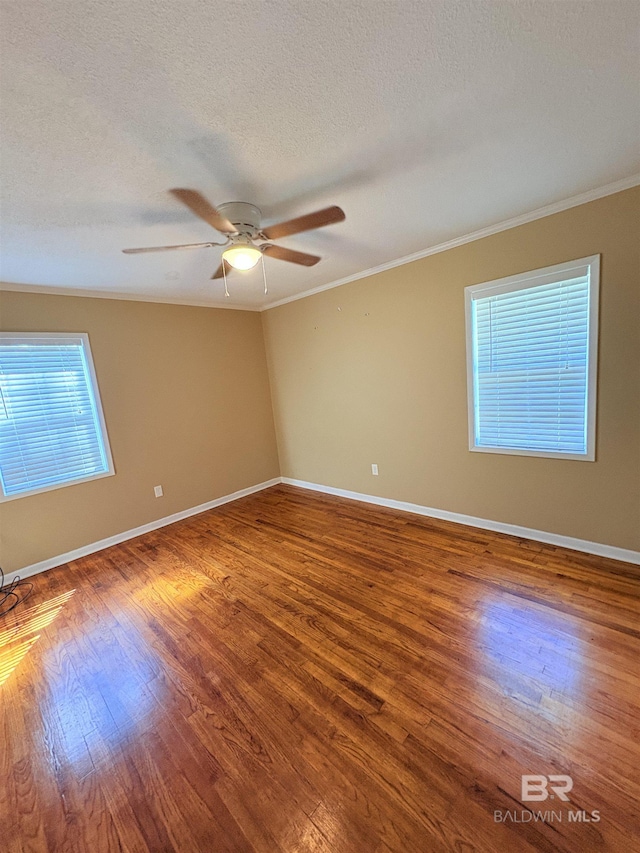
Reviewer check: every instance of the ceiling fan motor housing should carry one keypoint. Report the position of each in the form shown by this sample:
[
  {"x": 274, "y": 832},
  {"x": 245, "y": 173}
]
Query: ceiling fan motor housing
[{"x": 245, "y": 217}]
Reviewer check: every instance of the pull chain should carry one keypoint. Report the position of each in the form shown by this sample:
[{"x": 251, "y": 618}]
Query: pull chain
[
  {"x": 224, "y": 273},
  {"x": 264, "y": 275}
]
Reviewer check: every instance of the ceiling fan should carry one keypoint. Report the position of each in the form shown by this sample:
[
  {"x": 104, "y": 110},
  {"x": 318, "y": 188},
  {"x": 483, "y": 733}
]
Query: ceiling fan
[{"x": 240, "y": 223}]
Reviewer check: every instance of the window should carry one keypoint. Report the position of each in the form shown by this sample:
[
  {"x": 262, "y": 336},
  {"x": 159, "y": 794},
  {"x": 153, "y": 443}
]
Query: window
[
  {"x": 52, "y": 432},
  {"x": 531, "y": 362}
]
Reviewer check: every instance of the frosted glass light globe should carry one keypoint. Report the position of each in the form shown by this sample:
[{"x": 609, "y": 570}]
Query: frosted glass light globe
[{"x": 242, "y": 257}]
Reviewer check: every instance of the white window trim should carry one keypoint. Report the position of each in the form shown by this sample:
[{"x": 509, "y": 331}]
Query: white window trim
[
  {"x": 28, "y": 337},
  {"x": 583, "y": 266}
]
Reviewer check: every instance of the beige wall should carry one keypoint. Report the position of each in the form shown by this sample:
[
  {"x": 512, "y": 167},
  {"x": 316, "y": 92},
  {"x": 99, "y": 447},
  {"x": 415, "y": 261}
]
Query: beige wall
[
  {"x": 375, "y": 371},
  {"x": 186, "y": 396},
  {"x": 186, "y": 400}
]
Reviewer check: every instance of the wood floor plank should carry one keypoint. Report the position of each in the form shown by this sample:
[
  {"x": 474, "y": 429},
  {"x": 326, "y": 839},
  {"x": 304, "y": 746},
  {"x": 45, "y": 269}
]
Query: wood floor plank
[{"x": 297, "y": 672}]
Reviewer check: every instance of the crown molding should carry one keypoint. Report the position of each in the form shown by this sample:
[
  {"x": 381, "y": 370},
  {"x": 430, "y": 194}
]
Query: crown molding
[
  {"x": 523, "y": 219},
  {"x": 539, "y": 213},
  {"x": 12, "y": 287}
]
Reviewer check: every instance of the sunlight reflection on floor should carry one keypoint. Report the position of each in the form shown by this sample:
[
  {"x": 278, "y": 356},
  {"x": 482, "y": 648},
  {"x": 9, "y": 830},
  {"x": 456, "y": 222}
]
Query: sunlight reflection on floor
[
  {"x": 93, "y": 696},
  {"x": 19, "y": 624},
  {"x": 535, "y": 657}
]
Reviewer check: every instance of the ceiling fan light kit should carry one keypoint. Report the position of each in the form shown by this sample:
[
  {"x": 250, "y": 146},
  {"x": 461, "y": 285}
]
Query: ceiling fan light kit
[
  {"x": 242, "y": 256},
  {"x": 240, "y": 221}
]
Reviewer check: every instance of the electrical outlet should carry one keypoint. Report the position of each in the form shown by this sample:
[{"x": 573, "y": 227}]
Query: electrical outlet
[
  {"x": 374, "y": 469},
  {"x": 157, "y": 491}
]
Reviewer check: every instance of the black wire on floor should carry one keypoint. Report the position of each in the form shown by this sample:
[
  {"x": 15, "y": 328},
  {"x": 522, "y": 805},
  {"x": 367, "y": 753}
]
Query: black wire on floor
[{"x": 13, "y": 593}]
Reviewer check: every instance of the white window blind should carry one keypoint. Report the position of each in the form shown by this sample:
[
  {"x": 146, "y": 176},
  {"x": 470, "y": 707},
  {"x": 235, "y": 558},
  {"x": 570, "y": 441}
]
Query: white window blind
[
  {"x": 532, "y": 362},
  {"x": 51, "y": 426}
]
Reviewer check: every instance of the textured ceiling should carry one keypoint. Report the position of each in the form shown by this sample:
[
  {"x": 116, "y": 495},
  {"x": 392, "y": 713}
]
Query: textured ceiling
[{"x": 423, "y": 120}]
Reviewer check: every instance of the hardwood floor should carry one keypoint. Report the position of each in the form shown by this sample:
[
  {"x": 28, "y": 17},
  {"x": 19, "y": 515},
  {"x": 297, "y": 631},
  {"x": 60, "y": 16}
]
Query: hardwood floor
[{"x": 296, "y": 672}]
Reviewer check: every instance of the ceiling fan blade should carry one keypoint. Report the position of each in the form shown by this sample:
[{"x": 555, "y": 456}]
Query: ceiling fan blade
[
  {"x": 167, "y": 248},
  {"x": 283, "y": 254},
  {"x": 198, "y": 204},
  {"x": 219, "y": 273},
  {"x": 327, "y": 216}
]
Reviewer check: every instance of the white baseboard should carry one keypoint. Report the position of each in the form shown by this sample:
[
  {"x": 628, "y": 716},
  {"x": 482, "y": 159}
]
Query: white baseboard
[
  {"x": 61, "y": 559},
  {"x": 597, "y": 548},
  {"x": 584, "y": 545}
]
